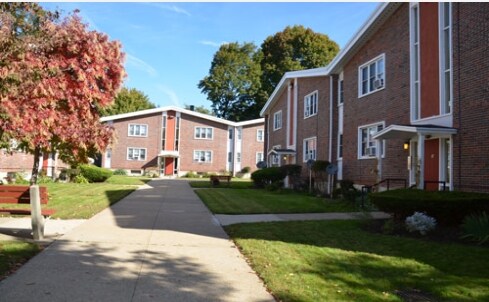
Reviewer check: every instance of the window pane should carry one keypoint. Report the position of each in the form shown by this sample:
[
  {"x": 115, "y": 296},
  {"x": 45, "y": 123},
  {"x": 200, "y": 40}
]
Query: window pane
[
  {"x": 446, "y": 14},
  {"x": 131, "y": 129},
  {"x": 372, "y": 77},
  {"x": 230, "y": 133},
  {"x": 415, "y": 24},
  {"x": 446, "y": 53},
  {"x": 380, "y": 69},
  {"x": 143, "y": 130},
  {"x": 209, "y": 133},
  {"x": 142, "y": 154},
  {"x": 447, "y": 92}
]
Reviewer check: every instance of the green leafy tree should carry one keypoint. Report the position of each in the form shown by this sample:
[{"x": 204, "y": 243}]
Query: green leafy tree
[
  {"x": 233, "y": 84},
  {"x": 128, "y": 100},
  {"x": 200, "y": 109},
  {"x": 294, "y": 48}
]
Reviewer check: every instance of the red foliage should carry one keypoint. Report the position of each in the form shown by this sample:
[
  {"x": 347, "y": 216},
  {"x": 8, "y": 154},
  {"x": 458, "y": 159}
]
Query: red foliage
[{"x": 54, "y": 85}]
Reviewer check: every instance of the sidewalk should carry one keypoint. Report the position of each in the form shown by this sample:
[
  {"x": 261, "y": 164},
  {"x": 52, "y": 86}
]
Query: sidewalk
[{"x": 157, "y": 244}]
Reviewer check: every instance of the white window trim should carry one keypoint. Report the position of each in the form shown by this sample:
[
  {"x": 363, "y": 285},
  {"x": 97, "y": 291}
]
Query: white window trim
[
  {"x": 307, "y": 99},
  {"x": 341, "y": 80},
  {"x": 304, "y": 142},
  {"x": 378, "y": 58},
  {"x": 274, "y": 118},
  {"x": 441, "y": 46},
  {"x": 415, "y": 108},
  {"x": 262, "y": 135},
  {"x": 204, "y": 138},
  {"x": 338, "y": 146},
  {"x": 359, "y": 141},
  {"x": 134, "y": 124},
  {"x": 145, "y": 152},
  {"x": 202, "y": 162}
]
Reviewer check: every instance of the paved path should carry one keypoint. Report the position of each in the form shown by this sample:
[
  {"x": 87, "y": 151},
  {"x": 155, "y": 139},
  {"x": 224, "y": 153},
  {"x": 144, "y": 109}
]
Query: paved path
[
  {"x": 158, "y": 244},
  {"x": 233, "y": 219}
]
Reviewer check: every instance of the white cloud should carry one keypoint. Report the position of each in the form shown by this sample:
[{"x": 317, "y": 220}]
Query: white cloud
[
  {"x": 170, "y": 94},
  {"x": 141, "y": 65},
  {"x": 172, "y": 8},
  {"x": 212, "y": 43}
]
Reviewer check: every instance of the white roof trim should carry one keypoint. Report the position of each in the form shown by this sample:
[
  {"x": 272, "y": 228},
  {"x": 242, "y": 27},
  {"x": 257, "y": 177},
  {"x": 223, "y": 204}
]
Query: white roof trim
[
  {"x": 178, "y": 109},
  {"x": 315, "y": 72},
  {"x": 406, "y": 132}
]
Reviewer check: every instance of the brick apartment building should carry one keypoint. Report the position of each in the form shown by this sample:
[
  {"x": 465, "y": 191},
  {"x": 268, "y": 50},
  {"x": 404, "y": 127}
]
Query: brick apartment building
[
  {"x": 408, "y": 98},
  {"x": 173, "y": 141}
]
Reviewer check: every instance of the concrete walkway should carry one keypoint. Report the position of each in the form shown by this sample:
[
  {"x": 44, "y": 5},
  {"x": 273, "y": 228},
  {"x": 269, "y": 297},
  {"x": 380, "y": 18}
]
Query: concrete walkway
[
  {"x": 233, "y": 219},
  {"x": 158, "y": 244}
]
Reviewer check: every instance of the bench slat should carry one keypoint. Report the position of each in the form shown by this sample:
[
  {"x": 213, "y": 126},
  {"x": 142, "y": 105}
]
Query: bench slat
[{"x": 44, "y": 212}]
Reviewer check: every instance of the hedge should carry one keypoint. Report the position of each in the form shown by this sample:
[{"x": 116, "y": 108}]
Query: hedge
[
  {"x": 267, "y": 176},
  {"x": 94, "y": 173},
  {"x": 448, "y": 208}
]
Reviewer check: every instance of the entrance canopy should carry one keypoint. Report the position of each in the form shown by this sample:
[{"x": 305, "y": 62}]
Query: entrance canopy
[
  {"x": 169, "y": 153},
  {"x": 407, "y": 132},
  {"x": 282, "y": 152}
]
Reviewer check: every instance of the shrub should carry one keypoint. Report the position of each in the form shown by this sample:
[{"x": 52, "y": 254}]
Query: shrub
[
  {"x": 348, "y": 191},
  {"x": 294, "y": 174},
  {"x": 151, "y": 173},
  {"x": 191, "y": 174},
  {"x": 246, "y": 170},
  {"x": 476, "y": 228},
  {"x": 44, "y": 180},
  {"x": 120, "y": 172},
  {"x": 80, "y": 179},
  {"x": 448, "y": 208},
  {"x": 94, "y": 173},
  {"x": 20, "y": 179},
  {"x": 420, "y": 222},
  {"x": 267, "y": 176}
]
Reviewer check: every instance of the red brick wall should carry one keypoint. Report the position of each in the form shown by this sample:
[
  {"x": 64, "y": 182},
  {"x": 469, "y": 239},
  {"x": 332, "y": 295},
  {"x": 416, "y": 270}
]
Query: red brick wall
[
  {"x": 152, "y": 142},
  {"x": 278, "y": 137},
  {"x": 250, "y": 146},
  {"x": 15, "y": 162},
  {"x": 390, "y": 104},
  {"x": 471, "y": 96}
]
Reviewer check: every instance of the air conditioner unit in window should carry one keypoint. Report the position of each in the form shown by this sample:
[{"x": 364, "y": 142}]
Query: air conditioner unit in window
[
  {"x": 378, "y": 83},
  {"x": 372, "y": 151}
]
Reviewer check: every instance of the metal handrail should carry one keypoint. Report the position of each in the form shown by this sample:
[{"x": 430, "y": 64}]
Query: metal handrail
[
  {"x": 368, "y": 189},
  {"x": 442, "y": 182}
]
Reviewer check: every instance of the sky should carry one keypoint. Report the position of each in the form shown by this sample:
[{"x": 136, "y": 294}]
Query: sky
[{"x": 169, "y": 47}]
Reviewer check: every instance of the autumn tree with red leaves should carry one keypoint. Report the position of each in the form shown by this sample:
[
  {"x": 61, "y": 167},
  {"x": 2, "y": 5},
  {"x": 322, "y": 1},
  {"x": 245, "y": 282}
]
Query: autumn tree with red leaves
[{"x": 52, "y": 82}]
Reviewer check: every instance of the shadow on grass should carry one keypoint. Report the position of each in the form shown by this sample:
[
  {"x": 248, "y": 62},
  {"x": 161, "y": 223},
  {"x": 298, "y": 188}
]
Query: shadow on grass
[
  {"x": 367, "y": 265},
  {"x": 89, "y": 271}
]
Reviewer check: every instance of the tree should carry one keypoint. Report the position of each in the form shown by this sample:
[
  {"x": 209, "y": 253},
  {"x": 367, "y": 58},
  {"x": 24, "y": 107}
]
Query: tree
[
  {"x": 128, "y": 100},
  {"x": 199, "y": 109},
  {"x": 52, "y": 82},
  {"x": 233, "y": 83},
  {"x": 294, "y": 48}
]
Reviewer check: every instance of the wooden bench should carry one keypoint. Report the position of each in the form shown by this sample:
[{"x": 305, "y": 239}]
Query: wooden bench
[
  {"x": 21, "y": 195},
  {"x": 216, "y": 179}
]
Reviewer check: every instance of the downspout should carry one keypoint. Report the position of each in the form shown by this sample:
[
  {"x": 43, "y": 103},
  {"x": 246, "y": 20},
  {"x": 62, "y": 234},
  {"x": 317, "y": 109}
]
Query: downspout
[{"x": 459, "y": 102}]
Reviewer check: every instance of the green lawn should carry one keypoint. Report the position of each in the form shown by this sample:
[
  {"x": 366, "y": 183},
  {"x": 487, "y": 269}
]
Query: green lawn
[
  {"x": 259, "y": 201},
  {"x": 81, "y": 201},
  {"x": 236, "y": 183},
  {"x": 339, "y": 261},
  {"x": 13, "y": 254}
]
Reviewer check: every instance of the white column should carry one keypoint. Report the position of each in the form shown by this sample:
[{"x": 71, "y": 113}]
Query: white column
[
  {"x": 421, "y": 160},
  {"x": 379, "y": 160}
]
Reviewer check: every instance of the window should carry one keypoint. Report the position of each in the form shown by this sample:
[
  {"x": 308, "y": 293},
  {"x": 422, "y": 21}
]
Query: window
[
  {"x": 309, "y": 149},
  {"x": 415, "y": 90},
  {"x": 239, "y": 133},
  {"x": 445, "y": 57},
  {"x": 230, "y": 157},
  {"x": 340, "y": 145},
  {"x": 275, "y": 157},
  {"x": 203, "y": 133},
  {"x": 259, "y": 157},
  {"x": 372, "y": 76},
  {"x": 238, "y": 157},
  {"x": 366, "y": 144},
  {"x": 202, "y": 156},
  {"x": 163, "y": 132},
  {"x": 136, "y": 154},
  {"x": 259, "y": 135},
  {"x": 137, "y": 130},
  {"x": 230, "y": 131},
  {"x": 340, "y": 92},
  {"x": 277, "y": 120},
  {"x": 311, "y": 104}
]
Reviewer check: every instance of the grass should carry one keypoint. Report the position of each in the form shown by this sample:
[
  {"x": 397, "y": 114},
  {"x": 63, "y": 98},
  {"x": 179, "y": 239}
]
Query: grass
[
  {"x": 339, "y": 261},
  {"x": 259, "y": 201},
  {"x": 82, "y": 201},
  {"x": 13, "y": 254},
  {"x": 236, "y": 183}
]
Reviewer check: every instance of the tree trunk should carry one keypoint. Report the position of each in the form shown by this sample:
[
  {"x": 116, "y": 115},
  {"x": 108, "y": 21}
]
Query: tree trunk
[{"x": 35, "y": 167}]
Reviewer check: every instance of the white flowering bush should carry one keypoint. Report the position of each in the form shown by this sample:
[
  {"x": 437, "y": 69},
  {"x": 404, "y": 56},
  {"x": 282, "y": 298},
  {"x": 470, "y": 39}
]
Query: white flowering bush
[{"x": 420, "y": 222}]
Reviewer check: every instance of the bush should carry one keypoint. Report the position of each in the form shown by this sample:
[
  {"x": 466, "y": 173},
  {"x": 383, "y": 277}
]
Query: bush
[
  {"x": 80, "y": 179},
  {"x": 448, "y": 208},
  {"x": 420, "y": 222},
  {"x": 20, "y": 179},
  {"x": 94, "y": 173},
  {"x": 246, "y": 170},
  {"x": 120, "y": 172},
  {"x": 348, "y": 191},
  {"x": 294, "y": 174},
  {"x": 267, "y": 176},
  {"x": 191, "y": 174},
  {"x": 44, "y": 180},
  {"x": 476, "y": 228}
]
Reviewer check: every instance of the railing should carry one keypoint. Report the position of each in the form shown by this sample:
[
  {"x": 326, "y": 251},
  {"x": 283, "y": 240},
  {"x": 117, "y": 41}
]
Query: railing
[{"x": 387, "y": 181}]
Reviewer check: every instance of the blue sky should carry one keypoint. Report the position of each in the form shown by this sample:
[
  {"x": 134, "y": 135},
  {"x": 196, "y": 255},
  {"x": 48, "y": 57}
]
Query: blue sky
[{"x": 169, "y": 46}]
